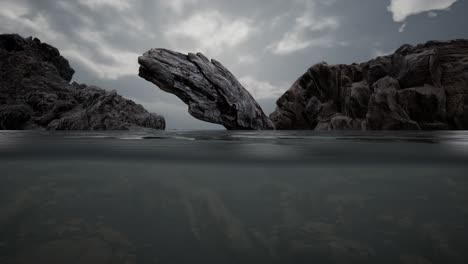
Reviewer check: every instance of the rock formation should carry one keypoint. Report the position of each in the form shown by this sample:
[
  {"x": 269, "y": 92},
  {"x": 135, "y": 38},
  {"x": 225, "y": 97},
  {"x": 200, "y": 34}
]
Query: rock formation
[
  {"x": 211, "y": 92},
  {"x": 35, "y": 93},
  {"x": 422, "y": 87}
]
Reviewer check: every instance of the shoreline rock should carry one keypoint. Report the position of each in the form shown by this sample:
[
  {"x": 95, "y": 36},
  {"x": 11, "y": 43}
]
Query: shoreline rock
[
  {"x": 35, "y": 93},
  {"x": 211, "y": 92},
  {"x": 422, "y": 87}
]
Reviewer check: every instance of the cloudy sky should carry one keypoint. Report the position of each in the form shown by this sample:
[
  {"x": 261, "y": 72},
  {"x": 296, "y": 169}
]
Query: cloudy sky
[{"x": 267, "y": 44}]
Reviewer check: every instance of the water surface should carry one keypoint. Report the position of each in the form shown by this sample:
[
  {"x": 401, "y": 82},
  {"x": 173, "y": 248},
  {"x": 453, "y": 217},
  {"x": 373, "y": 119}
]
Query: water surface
[{"x": 233, "y": 197}]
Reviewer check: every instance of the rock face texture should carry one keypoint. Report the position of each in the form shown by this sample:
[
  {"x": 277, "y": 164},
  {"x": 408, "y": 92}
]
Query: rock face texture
[
  {"x": 421, "y": 87},
  {"x": 35, "y": 93},
  {"x": 211, "y": 92}
]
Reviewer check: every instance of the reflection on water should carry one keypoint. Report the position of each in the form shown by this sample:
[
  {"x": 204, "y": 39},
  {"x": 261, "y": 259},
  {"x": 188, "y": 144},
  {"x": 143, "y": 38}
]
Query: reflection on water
[{"x": 233, "y": 197}]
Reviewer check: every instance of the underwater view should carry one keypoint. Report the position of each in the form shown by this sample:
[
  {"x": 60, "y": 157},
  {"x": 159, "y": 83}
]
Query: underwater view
[
  {"x": 233, "y": 197},
  {"x": 233, "y": 132}
]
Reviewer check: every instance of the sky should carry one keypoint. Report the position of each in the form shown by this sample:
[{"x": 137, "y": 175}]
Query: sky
[{"x": 267, "y": 44}]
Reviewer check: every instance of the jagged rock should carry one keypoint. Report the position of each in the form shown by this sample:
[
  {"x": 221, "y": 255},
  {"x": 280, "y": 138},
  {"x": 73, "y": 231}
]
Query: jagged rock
[
  {"x": 357, "y": 100},
  {"x": 341, "y": 122},
  {"x": 384, "y": 112},
  {"x": 211, "y": 92},
  {"x": 97, "y": 113},
  {"x": 420, "y": 87},
  {"x": 35, "y": 93},
  {"x": 317, "y": 97},
  {"x": 425, "y": 105},
  {"x": 414, "y": 68}
]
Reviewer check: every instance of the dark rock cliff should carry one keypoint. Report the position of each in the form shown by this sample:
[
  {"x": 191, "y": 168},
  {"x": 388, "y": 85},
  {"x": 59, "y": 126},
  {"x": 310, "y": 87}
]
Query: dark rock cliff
[
  {"x": 35, "y": 93},
  {"x": 421, "y": 87}
]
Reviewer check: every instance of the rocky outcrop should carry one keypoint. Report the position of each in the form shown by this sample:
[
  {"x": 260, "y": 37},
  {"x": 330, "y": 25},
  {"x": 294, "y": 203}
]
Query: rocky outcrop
[
  {"x": 211, "y": 92},
  {"x": 422, "y": 87},
  {"x": 35, "y": 93}
]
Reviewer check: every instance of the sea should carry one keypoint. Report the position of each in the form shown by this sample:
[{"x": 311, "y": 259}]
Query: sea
[{"x": 233, "y": 197}]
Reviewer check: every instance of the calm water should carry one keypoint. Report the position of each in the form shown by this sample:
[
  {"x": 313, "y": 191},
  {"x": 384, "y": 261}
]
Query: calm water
[{"x": 233, "y": 197}]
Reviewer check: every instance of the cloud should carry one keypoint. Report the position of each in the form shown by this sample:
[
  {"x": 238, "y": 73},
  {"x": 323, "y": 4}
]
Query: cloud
[
  {"x": 14, "y": 7},
  {"x": 123, "y": 63},
  {"x": 402, "y": 28},
  {"x": 376, "y": 52},
  {"x": 260, "y": 89},
  {"x": 210, "y": 32},
  {"x": 299, "y": 37},
  {"x": 85, "y": 44},
  {"x": 292, "y": 43},
  {"x": 99, "y": 54},
  {"x": 401, "y": 9},
  {"x": 117, "y": 4},
  {"x": 177, "y": 6},
  {"x": 13, "y": 19},
  {"x": 246, "y": 59}
]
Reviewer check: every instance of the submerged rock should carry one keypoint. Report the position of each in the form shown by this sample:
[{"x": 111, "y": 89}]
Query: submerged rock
[
  {"x": 211, "y": 92},
  {"x": 421, "y": 87},
  {"x": 35, "y": 93}
]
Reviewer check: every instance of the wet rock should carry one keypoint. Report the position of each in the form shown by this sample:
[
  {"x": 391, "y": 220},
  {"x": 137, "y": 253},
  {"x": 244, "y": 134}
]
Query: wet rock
[
  {"x": 357, "y": 100},
  {"x": 376, "y": 69},
  {"x": 35, "y": 93},
  {"x": 299, "y": 107},
  {"x": 416, "y": 67},
  {"x": 417, "y": 87},
  {"x": 341, "y": 122},
  {"x": 14, "y": 116},
  {"x": 384, "y": 112},
  {"x": 425, "y": 105},
  {"x": 98, "y": 114},
  {"x": 460, "y": 110},
  {"x": 211, "y": 92}
]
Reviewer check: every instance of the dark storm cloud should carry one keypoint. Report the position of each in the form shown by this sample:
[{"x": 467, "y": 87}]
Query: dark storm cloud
[{"x": 267, "y": 44}]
